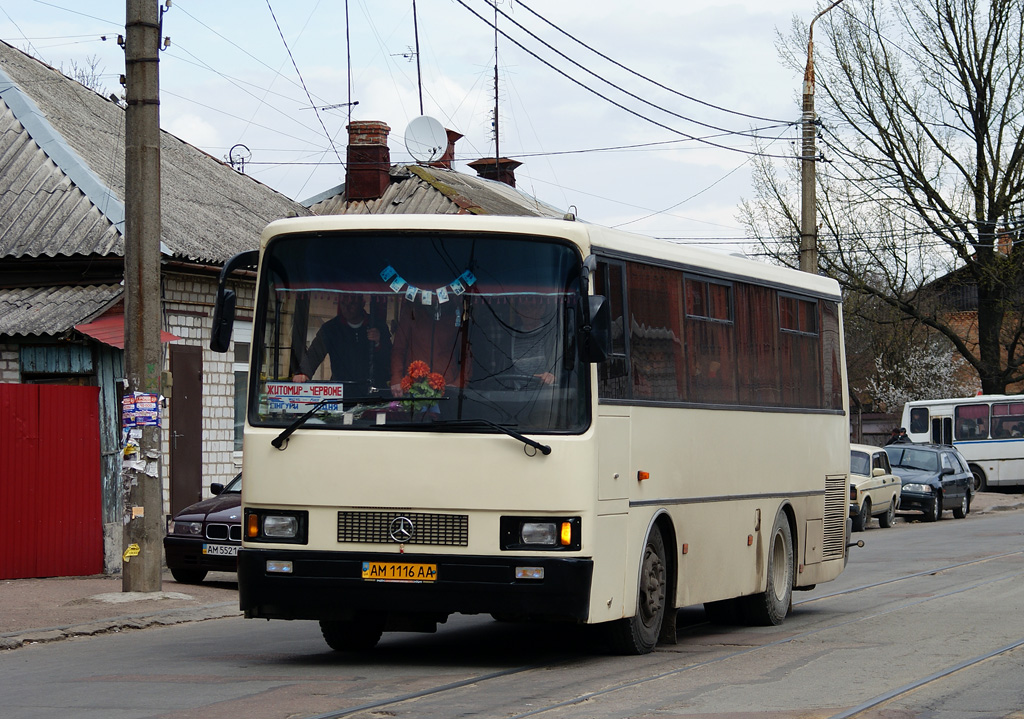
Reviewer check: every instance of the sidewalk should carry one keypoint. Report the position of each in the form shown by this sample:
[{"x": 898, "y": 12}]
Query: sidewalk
[{"x": 46, "y": 610}]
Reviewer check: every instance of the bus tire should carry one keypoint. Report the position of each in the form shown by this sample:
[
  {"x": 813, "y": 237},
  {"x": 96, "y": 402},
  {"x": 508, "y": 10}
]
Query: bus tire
[
  {"x": 980, "y": 480},
  {"x": 352, "y": 635},
  {"x": 639, "y": 634},
  {"x": 771, "y": 606}
]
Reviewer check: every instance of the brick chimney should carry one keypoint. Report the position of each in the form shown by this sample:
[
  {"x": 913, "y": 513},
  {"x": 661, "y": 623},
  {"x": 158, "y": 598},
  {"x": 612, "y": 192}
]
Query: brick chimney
[
  {"x": 448, "y": 157},
  {"x": 502, "y": 169},
  {"x": 369, "y": 160}
]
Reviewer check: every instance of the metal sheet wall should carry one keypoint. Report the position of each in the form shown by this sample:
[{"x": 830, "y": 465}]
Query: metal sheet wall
[{"x": 50, "y": 481}]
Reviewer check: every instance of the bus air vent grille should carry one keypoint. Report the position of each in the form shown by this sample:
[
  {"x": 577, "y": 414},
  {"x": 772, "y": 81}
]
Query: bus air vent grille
[
  {"x": 451, "y": 530},
  {"x": 836, "y": 509}
]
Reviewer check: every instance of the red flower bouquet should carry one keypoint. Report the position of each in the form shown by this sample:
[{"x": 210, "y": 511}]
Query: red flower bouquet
[{"x": 421, "y": 384}]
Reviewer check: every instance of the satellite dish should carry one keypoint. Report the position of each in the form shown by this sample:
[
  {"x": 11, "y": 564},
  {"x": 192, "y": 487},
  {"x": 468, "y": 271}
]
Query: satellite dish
[{"x": 425, "y": 139}]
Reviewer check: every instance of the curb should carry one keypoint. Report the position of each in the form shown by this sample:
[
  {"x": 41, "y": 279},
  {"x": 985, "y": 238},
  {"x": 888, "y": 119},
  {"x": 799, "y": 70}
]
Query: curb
[{"x": 23, "y": 637}]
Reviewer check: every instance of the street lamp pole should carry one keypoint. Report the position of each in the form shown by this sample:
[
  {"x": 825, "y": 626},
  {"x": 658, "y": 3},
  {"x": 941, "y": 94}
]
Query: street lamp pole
[{"x": 808, "y": 208}]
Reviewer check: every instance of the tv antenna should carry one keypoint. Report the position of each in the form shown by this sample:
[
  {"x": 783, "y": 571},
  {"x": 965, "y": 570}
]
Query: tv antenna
[{"x": 238, "y": 155}]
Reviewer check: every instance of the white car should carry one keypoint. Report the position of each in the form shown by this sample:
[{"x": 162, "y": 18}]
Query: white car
[{"x": 874, "y": 489}]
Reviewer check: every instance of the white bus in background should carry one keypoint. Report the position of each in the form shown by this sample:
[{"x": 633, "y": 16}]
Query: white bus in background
[
  {"x": 987, "y": 429},
  {"x": 676, "y": 435}
]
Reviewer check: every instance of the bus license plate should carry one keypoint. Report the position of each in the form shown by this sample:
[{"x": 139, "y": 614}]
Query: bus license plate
[
  {"x": 220, "y": 550},
  {"x": 395, "y": 572}
]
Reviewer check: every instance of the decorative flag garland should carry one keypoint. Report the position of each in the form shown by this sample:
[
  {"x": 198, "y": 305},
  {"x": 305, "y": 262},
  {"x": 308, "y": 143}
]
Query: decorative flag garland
[{"x": 397, "y": 283}]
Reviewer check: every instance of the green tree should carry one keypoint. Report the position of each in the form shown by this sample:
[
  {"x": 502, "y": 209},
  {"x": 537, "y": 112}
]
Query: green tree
[{"x": 922, "y": 109}]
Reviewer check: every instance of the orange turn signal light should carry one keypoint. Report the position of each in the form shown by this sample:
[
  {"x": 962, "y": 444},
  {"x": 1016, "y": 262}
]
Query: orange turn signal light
[
  {"x": 642, "y": 475},
  {"x": 252, "y": 527},
  {"x": 566, "y": 534}
]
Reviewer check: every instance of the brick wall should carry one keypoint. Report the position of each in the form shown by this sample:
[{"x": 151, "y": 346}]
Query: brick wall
[
  {"x": 10, "y": 370},
  {"x": 188, "y": 313}
]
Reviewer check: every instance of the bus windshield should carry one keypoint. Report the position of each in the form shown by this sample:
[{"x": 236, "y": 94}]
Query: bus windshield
[{"x": 418, "y": 330}]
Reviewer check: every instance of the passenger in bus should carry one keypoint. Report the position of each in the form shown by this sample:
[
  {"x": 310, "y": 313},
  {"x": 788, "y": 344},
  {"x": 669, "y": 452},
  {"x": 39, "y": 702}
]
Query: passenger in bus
[{"x": 358, "y": 346}]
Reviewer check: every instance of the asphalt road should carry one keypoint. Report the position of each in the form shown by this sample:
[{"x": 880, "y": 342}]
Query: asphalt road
[{"x": 926, "y": 621}]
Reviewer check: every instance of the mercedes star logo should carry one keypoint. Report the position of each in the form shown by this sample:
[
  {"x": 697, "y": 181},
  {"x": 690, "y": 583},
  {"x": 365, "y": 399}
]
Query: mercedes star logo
[{"x": 401, "y": 529}]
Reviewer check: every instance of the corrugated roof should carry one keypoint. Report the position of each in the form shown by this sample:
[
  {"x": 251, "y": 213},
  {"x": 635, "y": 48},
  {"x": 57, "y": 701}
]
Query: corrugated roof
[
  {"x": 62, "y": 177},
  {"x": 415, "y": 189},
  {"x": 53, "y": 310}
]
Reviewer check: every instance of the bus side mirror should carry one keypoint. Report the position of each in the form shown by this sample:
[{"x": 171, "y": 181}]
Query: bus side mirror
[
  {"x": 223, "y": 320},
  {"x": 224, "y": 303},
  {"x": 596, "y": 337}
]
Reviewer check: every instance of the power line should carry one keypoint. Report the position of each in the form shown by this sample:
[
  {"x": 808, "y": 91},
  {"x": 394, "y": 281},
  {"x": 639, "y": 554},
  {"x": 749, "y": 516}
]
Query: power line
[
  {"x": 619, "y": 88},
  {"x": 613, "y": 102},
  {"x": 305, "y": 89},
  {"x": 644, "y": 77}
]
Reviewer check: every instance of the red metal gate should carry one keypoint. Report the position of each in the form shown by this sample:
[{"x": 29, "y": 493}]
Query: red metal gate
[{"x": 50, "y": 481}]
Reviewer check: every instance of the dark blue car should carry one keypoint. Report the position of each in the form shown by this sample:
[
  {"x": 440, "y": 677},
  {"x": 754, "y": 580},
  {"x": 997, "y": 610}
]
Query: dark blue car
[
  {"x": 205, "y": 536},
  {"x": 935, "y": 478}
]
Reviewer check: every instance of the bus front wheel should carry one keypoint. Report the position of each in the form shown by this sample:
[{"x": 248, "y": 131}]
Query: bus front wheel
[
  {"x": 771, "y": 606},
  {"x": 352, "y": 635},
  {"x": 639, "y": 634}
]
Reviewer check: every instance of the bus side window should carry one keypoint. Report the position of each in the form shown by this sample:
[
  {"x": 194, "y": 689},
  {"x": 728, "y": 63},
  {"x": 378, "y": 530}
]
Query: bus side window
[{"x": 918, "y": 420}]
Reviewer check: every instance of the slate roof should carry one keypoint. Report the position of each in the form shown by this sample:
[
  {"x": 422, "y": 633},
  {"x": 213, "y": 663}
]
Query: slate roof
[
  {"x": 43, "y": 311},
  {"x": 416, "y": 189},
  {"x": 62, "y": 177}
]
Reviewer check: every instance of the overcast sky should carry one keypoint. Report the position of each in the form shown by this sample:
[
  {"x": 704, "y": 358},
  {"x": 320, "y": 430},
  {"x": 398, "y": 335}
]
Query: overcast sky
[{"x": 228, "y": 78}]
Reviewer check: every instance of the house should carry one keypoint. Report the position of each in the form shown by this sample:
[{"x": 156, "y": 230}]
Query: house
[
  {"x": 374, "y": 186},
  {"x": 62, "y": 265}
]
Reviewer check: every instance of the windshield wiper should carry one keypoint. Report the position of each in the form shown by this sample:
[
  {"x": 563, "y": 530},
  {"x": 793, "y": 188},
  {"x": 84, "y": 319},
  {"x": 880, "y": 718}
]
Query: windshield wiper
[
  {"x": 281, "y": 440},
  {"x": 543, "y": 448}
]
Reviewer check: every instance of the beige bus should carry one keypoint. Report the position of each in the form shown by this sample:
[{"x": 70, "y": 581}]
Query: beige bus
[{"x": 533, "y": 419}]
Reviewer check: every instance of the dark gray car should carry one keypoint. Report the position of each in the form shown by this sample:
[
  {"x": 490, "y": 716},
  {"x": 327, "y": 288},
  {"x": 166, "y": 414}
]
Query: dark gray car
[{"x": 935, "y": 477}]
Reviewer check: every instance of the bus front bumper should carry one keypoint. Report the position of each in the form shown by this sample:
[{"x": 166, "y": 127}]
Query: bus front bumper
[{"x": 329, "y": 585}]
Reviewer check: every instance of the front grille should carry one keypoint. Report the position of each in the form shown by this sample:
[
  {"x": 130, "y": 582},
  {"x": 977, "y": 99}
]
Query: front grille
[
  {"x": 836, "y": 511},
  {"x": 220, "y": 532},
  {"x": 217, "y": 531},
  {"x": 450, "y": 530}
]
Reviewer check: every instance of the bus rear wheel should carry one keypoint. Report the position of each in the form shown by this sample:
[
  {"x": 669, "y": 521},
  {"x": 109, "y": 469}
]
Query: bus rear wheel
[
  {"x": 352, "y": 635},
  {"x": 771, "y": 606},
  {"x": 980, "y": 480},
  {"x": 639, "y": 634}
]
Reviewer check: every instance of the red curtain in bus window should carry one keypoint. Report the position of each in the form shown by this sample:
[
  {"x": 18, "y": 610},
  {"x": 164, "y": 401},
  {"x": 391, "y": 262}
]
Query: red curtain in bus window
[
  {"x": 970, "y": 421},
  {"x": 1007, "y": 420},
  {"x": 656, "y": 352},
  {"x": 757, "y": 330},
  {"x": 831, "y": 341},
  {"x": 710, "y": 355},
  {"x": 799, "y": 353}
]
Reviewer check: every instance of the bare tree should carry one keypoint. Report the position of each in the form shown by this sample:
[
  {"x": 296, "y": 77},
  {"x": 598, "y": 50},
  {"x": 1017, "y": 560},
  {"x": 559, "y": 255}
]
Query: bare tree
[{"x": 921, "y": 104}]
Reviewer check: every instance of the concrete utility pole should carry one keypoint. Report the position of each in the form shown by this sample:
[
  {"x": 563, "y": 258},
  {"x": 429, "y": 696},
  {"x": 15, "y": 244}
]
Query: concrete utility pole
[
  {"x": 808, "y": 182},
  {"x": 140, "y": 474}
]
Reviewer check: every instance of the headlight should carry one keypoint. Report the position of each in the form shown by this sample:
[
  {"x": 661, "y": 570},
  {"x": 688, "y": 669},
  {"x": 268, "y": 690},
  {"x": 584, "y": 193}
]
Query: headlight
[
  {"x": 542, "y": 533},
  {"x": 194, "y": 529},
  {"x": 275, "y": 525},
  {"x": 547, "y": 533},
  {"x": 919, "y": 488},
  {"x": 278, "y": 527}
]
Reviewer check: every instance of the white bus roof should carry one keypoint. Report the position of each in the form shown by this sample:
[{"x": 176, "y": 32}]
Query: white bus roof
[
  {"x": 589, "y": 237},
  {"x": 977, "y": 399}
]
